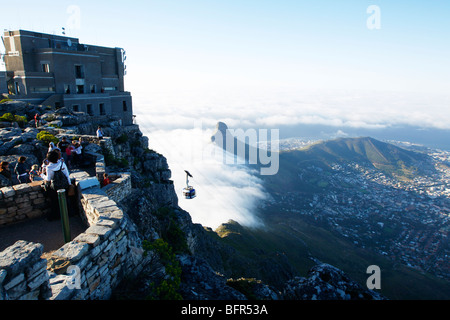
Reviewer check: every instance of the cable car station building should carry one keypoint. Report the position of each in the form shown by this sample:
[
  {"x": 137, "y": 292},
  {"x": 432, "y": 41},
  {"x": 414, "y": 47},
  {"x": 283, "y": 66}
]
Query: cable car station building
[{"x": 59, "y": 71}]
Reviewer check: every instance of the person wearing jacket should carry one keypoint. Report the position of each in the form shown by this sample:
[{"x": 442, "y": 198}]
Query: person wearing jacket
[
  {"x": 21, "y": 170},
  {"x": 55, "y": 163},
  {"x": 4, "y": 170}
]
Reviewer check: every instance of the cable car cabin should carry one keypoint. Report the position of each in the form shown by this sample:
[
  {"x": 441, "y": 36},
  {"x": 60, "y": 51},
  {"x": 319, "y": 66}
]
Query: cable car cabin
[{"x": 189, "y": 192}]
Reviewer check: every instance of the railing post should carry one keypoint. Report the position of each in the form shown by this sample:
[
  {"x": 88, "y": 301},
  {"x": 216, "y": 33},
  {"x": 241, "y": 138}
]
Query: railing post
[{"x": 64, "y": 215}]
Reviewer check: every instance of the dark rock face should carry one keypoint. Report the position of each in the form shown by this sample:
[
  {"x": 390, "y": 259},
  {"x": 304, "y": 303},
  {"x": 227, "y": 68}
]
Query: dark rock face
[
  {"x": 201, "y": 282},
  {"x": 325, "y": 282},
  {"x": 205, "y": 260}
]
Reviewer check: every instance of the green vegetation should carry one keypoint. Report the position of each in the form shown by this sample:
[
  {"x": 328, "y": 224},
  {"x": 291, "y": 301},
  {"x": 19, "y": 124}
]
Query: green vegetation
[
  {"x": 9, "y": 117},
  {"x": 229, "y": 228},
  {"x": 388, "y": 158},
  {"x": 245, "y": 286},
  {"x": 46, "y": 137},
  {"x": 110, "y": 160},
  {"x": 50, "y": 118},
  {"x": 171, "y": 232},
  {"x": 167, "y": 288},
  {"x": 122, "y": 139},
  {"x": 171, "y": 243},
  {"x": 295, "y": 239},
  {"x": 5, "y": 100},
  {"x": 321, "y": 156}
]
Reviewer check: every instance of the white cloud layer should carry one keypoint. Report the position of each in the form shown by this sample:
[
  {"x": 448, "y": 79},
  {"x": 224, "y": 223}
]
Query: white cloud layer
[
  {"x": 223, "y": 192},
  {"x": 171, "y": 121},
  {"x": 269, "y": 108}
]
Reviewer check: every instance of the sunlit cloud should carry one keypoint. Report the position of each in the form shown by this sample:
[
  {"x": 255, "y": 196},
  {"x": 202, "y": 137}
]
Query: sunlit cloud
[
  {"x": 170, "y": 120},
  {"x": 274, "y": 109},
  {"x": 224, "y": 191}
]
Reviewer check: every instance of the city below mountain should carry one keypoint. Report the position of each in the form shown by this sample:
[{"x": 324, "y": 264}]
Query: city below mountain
[{"x": 352, "y": 203}]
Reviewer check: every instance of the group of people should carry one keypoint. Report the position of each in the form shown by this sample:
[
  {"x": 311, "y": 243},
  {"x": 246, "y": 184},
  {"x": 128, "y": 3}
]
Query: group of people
[
  {"x": 69, "y": 153},
  {"x": 23, "y": 174},
  {"x": 53, "y": 163},
  {"x": 60, "y": 157}
]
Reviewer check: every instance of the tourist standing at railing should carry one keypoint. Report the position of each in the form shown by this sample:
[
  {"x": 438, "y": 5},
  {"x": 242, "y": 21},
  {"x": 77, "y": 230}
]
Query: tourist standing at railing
[
  {"x": 34, "y": 173},
  {"x": 69, "y": 156},
  {"x": 99, "y": 133},
  {"x": 77, "y": 152},
  {"x": 21, "y": 170},
  {"x": 62, "y": 145},
  {"x": 4, "y": 170},
  {"x": 54, "y": 164}
]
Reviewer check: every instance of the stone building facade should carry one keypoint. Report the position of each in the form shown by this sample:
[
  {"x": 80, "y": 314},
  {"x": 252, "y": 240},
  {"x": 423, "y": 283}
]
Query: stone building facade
[{"x": 60, "y": 71}]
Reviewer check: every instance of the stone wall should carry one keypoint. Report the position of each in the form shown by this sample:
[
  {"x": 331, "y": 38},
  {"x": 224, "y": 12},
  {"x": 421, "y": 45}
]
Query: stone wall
[
  {"x": 23, "y": 274},
  {"x": 120, "y": 187},
  {"x": 23, "y": 201},
  {"x": 91, "y": 265},
  {"x": 87, "y": 268},
  {"x": 107, "y": 251}
]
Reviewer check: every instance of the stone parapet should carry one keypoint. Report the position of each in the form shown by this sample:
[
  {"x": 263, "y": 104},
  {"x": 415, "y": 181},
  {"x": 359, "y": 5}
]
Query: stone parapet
[
  {"x": 87, "y": 268},
  {"x": 21, "y": 202}
]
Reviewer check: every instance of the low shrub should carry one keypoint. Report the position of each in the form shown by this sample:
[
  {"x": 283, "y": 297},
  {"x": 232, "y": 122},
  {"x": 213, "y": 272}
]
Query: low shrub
[
  {"x": 9, "y": 117},
  {"x": 46, "y": 137},
  {"x": 167, "y": 288}
]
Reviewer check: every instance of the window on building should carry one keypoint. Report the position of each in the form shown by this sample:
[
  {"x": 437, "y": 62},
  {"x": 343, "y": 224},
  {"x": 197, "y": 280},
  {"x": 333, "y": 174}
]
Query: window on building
[
  {"x": 125, "y": 107},
  {"x": 80, "y": 89},
  {"x": 45, "y": 67},
  {"x": 104, "y": 89},
  {"x": 76, "y": 108},
  {"x": 43, "y": 89},
  {"x": 89, "y": 109},
  {"x": 11, "y": 86},
  {"x": 67, "y": 88},
  {"x": 102, "y": 110},
  {"x": 79, "y": 71},
  {"x": 12, "y": 44},
  {"x": 93, "y": 88}
]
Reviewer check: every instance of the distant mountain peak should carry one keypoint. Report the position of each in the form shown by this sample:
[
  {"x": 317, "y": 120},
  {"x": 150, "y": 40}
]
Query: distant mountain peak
[
  {"x": 219, "y": 136},
  {"x": 221, "y": 126},
  {"x": 381, "y": 155}
]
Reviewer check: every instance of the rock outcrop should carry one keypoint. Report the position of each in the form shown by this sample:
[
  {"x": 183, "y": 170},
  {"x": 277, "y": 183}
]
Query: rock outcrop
[
  {"x": 153, "y": 207},
  {"x": 325, "y": 282}
]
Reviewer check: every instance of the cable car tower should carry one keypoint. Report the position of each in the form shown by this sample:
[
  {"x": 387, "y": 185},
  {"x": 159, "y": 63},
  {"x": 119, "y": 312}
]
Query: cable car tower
[{"x": 189, "y": 191}]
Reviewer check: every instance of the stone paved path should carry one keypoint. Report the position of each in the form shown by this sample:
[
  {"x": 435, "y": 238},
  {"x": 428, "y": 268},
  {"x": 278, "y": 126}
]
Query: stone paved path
[{"x": 40, "y": 230}]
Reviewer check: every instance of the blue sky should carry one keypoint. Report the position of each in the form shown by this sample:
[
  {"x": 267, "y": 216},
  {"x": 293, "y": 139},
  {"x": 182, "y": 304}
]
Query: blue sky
[
  {"x": 304, "y": 44},
  {"x": 260, "y": 63}
]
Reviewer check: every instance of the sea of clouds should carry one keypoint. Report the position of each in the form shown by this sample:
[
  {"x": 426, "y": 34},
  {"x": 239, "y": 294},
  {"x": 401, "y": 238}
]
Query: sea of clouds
[{"x": 179, "y": 124}]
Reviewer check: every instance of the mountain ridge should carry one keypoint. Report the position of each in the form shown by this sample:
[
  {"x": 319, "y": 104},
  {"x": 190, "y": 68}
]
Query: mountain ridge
[
  {"x": 381, "y": 155},
  {"x": 305, "y": 172},
  {"x": 390, "y": 159}
]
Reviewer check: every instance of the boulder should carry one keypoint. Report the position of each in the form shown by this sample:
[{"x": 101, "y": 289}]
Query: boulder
[
  {"x": 21, "y": 149},
  {"x": 326, "y": 282},
  {"x": 17, "y": 258}
]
